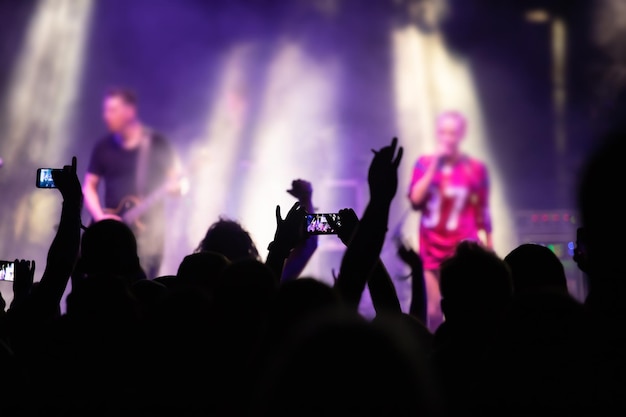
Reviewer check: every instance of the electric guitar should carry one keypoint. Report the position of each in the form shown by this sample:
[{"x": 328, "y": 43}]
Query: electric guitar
[{"x": 132, "y": 208}]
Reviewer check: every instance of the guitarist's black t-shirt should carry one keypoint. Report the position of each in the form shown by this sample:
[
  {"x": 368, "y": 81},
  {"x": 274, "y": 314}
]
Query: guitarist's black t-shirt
[{"x": 118, "y": 167}]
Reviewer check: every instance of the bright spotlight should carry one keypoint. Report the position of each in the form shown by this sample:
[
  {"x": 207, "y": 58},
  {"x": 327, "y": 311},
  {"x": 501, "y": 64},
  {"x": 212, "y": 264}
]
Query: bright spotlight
[
  {"x": 213, "y": 157},
  {"x": 38, "y": 110},
  {"x": 45, "y": 81},
  {"x": 293, "y": 139},
  {"x": 429, "y": 79},
  {"x": 39, "y": 106}
]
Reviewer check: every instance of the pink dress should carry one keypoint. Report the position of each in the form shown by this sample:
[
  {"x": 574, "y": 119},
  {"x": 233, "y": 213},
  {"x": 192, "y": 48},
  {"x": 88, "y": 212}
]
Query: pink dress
[{"x": 455, "y": 209}]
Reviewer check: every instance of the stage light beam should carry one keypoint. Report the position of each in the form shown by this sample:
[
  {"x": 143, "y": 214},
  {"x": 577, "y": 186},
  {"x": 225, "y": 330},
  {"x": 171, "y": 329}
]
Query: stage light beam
[
  {"x": 294, "y": 137},
  {"x": 45, "y": 82},
  {"x": 214, "y": 155},
  {"x": 39, "y": 107},
  {"x": 428, "y": 79},
  {"x": 38, "y": 111}
]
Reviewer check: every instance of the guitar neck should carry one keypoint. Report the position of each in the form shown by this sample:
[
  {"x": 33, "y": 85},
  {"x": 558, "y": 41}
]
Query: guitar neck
[{"x": 133, "y": 214}]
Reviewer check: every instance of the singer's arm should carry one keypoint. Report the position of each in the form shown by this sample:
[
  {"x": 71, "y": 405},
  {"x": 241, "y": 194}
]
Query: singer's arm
[{"x": 419, "y": 190}]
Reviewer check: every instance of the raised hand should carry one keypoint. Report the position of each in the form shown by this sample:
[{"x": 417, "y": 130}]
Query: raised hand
[
  {"x": 24, "y": 278},
  {"x": 291, "y": 230},
  {"x": 68, "y": 183},
  {"x": 383, "y": 172},
  {"x": 409, "y": 256},
  {"x": 349, "y": 223},
  {"x": 301, "y": 189}
]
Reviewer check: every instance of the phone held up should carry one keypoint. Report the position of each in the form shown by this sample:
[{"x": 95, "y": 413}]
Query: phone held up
[
  {"x": 7, "y": 270},
  {"x": 318, "y": 224},
  {"x": 44, "y": 177}
]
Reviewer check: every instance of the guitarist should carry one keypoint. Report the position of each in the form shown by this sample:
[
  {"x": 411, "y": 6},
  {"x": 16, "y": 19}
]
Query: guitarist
[{"x": 131, "y": 161}]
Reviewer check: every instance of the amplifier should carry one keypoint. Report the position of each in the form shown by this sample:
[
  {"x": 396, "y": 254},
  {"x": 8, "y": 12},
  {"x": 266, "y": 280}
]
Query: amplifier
[{"x": 554, "y": 222}]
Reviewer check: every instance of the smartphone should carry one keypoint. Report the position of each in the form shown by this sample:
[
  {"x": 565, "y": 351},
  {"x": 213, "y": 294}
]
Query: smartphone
[
  {"x": 7, "y": 270},
  {"x": 317, "y": 223},
  {"x": 44, "y": 177}
]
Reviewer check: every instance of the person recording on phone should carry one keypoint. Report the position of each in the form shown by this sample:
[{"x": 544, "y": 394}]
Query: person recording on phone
[
  {"x": 133, "y": 162},
  {"x": 451, "y": 191}
]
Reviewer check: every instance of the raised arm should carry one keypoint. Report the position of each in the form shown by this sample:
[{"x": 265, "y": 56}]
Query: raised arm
[
  {"x": 381, "y": 287},
  {"x": 43, "y": 301},
  {"x": 363, "y": 253},
  {"x": 289, "y": 234},
  {"x": 423, "y": 175},
  {"x": 302, "y": 253},
  {"x": 23, "y": 281},
  {"x": 419, "y": 302},
  {"x": 64, "y": 249}
]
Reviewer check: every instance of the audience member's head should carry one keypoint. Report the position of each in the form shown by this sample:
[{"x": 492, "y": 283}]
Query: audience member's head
[
  {"x": 150, "y": 295},
  {"x": 170, "y": 281},
  {"x": 536, "y": 267},
  {"x": 246, "y": 287},
  {"x": 110, "y": 247},
  {"x": 202, "y": 270},
  {"x": 299, "y": 299},
  {"x": 230, "y": 239},
  {"x": 476, "y": 285}
]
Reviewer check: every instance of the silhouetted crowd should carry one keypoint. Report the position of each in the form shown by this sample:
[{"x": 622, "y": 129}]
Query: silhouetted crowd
[{"x": 232, "y": 334}]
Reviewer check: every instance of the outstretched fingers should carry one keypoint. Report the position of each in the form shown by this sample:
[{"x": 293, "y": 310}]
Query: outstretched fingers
[
  {"x": 72, "y": 167},
  {"x": 396, "y": 162},
  {"x": 388, "y": 153},
  {"x": 279, "y": 218},
  {"x": 394, "y": 145},
  {"x": 294, "y": 208}
]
